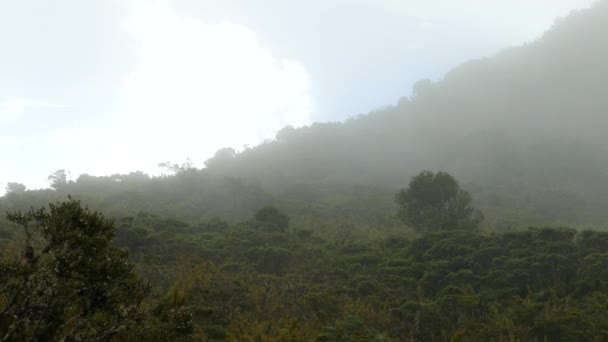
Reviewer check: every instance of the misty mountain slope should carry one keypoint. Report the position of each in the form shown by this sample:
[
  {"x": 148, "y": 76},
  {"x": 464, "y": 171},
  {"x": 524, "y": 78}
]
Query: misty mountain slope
[{"x": 524, "y": 130}]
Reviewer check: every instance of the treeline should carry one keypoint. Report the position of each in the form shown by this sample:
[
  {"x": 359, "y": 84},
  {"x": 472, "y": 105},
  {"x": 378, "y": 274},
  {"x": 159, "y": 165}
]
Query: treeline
[{"x": 194, "y": 195}]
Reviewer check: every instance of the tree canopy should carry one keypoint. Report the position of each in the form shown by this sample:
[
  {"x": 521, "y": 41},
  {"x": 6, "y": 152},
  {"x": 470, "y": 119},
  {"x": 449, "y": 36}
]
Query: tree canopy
[
  {"x": 272, "y": 215},
  {"x": 69, "y": 283},
  {"x": 435, "y": 201},
  {"x": 58, "y": 179},
  {"x": 15, "y": 188}
]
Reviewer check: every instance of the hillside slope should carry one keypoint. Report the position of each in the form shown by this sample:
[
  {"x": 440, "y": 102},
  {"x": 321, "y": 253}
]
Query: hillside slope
[{"x": 523, "y": 131}]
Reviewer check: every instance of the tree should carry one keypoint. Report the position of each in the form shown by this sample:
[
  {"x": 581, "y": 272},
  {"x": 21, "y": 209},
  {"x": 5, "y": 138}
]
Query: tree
[
  {"x": 15, "y": 188},
  {"x": 435, "y": 201},
  {"x": 286, "y": 133},
  {"x": 176, "y": 169},
  {"x": 69, "y": 284},
  {"x": 421, "y": 87},
  {"x": 222, "y": 157},
  {"x": 58, "y": 179},
  {"x": 274, "y": 216}
]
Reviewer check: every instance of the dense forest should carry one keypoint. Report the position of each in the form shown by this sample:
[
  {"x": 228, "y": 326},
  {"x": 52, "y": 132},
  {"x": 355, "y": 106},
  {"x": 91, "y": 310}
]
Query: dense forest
[
  {"x": 259, "y": 280},
  {"x": 333, "y": 232}
]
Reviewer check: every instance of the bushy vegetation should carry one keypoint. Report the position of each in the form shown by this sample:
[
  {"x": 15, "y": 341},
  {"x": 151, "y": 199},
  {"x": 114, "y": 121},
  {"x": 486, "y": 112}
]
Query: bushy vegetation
[
  {"x": 67, "y": 282},
  {"x": 260, "y": 280},
  {"x": 531, "y": 285}
]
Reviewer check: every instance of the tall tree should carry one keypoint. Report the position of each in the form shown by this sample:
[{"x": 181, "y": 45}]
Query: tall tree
[
  {"x": 58, "y": 179},
  {"x": 435, "y": 201}
]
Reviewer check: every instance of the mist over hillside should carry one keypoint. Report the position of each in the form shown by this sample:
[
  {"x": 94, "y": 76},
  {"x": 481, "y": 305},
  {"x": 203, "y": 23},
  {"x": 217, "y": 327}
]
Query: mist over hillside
[{"x": 523, "y": 131}]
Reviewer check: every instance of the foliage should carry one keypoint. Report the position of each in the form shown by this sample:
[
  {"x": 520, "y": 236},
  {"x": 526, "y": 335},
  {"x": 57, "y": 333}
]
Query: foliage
[
  {"x": 174, "y": 168},
  {"x": 237, "y": 282},
  {"x": 535, "y": 284},
  {"x": 15, "y": 188},
  {"x": 69, "y": 283},
  {"x": 273, "y": 216},
  {"x": 58, "y": 179},
  {"x": 435, "y": 201}
]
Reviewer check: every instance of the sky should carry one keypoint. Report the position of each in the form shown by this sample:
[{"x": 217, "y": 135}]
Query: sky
[{"x": 114, "y": 86}]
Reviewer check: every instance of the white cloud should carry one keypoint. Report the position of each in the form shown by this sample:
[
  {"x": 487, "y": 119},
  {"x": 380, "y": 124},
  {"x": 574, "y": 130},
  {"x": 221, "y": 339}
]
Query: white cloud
[
  {"x": 15, "y": 141},
  {"x": 196, "y": 88},
  {"x": 504, "y": 22},
  {"x": 20, "y": 164},
  {"x": 426, "y": 25},
  {"x": 12, "y": 109},
  {"x": 201, "y": 87}
]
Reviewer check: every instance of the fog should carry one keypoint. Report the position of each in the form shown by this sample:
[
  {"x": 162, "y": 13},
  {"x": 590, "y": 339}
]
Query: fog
[
  {"x": 523, "y": 128},
  {"x": 109, "y": 87}
]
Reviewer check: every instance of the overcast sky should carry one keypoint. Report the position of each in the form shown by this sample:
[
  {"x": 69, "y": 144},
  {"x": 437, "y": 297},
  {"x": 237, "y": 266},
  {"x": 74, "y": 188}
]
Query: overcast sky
[{"x": 114, "y": 86}]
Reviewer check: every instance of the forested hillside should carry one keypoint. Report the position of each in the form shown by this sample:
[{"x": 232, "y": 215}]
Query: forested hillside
[{"x": 524, "y": 130}]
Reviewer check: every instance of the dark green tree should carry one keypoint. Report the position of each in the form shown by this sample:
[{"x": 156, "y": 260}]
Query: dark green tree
[
  {"x": 435, "y": 201},
  {"x": 69, "y": 283},
  {"x": 274, "y": 216}
]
